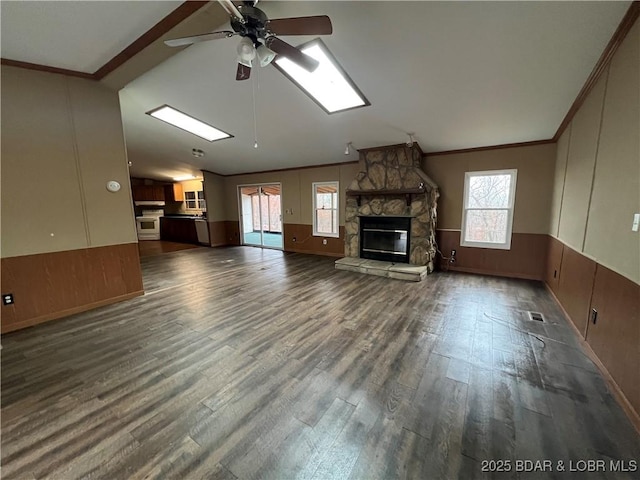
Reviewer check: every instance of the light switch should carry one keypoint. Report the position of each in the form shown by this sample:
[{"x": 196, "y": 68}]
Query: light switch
[{"x": 636, "y": 222}]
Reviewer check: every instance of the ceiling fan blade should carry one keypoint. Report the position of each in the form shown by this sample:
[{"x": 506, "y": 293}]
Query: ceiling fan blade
[
  {"x": 243, "y": 72},
  {"x": 231, "y": 9},
  {"x": 317, "y": 25},
  {"x": 292, "y": 53},
  {"x": 178, "y": 42}
]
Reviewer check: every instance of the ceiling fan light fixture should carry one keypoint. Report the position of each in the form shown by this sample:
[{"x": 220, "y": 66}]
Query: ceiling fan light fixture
[
  {"x": 246, "y": 50},
  {"x": 246, "y": 63},
  {"x": 265, "y": 55}
]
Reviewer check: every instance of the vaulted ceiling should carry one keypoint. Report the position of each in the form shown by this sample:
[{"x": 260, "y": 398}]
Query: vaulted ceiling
[{"x": 455, "y": 74}]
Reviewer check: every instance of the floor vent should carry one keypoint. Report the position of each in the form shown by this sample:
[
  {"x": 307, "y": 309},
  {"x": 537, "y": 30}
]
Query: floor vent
[{"x": 538, "y": 317}]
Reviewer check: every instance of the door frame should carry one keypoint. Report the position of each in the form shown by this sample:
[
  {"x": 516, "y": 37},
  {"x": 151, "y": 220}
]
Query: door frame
[{"x": 240, "y": 219}]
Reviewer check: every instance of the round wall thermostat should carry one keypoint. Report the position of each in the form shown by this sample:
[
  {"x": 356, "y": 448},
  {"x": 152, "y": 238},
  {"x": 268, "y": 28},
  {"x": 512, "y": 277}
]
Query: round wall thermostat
[{"x": 113, "y": 186}]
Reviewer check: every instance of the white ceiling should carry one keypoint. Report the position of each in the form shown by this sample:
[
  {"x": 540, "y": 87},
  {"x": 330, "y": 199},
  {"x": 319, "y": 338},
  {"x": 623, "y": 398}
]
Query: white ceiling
[
  {"x": 80, "y": 36},
  {"x": 457, "y": 74}
]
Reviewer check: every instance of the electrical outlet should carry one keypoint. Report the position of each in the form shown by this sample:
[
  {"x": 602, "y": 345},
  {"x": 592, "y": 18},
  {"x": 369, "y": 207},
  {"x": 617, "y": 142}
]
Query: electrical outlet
[
  {"x": 324, "y": 241},
  {"x": 636, "y": 222},
  {"x": 7, "y": 298},
  {"x": 452, "y": 258},
  {"x": 594, "y": 315},
  {"x": 453, "y": 253}
]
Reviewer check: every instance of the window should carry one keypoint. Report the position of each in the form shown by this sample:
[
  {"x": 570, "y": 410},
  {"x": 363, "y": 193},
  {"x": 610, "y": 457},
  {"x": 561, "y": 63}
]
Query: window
[
  {"x": 325, "y": 209},
  {"x": 328, "y": 85},
  {"x": 195, "y": 200},
  {"x": 487, "y": 212}
]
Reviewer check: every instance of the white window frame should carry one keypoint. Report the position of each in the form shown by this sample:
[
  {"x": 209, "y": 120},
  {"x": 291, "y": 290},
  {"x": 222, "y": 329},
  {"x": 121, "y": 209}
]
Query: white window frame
[
  {"x": 314, "y": 188},
  {"x": 465, "y": 200},
  {"x": 200, "y": 202}
]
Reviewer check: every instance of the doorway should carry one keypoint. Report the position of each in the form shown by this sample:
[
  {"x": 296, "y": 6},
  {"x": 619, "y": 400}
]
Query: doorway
[{"x": 261, "y": 215}]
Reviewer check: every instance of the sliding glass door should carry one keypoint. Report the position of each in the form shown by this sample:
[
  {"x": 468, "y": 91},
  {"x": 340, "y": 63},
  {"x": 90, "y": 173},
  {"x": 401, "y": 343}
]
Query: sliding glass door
[{"x": 261, "y": 215}]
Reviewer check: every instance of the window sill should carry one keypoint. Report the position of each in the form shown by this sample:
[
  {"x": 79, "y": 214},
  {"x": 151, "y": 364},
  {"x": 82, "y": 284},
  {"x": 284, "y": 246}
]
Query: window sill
[
  {"x": 488, "y": 246},
  {"x": 326, "y": 235}
]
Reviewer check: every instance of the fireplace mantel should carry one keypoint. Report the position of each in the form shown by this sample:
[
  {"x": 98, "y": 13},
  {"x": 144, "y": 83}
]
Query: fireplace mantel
[{"x": 408, "y": 192}]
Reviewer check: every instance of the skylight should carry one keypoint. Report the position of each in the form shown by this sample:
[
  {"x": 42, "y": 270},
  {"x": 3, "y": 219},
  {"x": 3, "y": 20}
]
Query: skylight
[
  {"x": 185, "y": 122},
  {"x": 328, "y": 85}
]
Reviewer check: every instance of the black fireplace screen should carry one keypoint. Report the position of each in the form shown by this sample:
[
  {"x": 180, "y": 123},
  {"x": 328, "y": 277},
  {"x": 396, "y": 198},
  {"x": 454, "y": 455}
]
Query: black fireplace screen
[{"x": 385, "y": 238}]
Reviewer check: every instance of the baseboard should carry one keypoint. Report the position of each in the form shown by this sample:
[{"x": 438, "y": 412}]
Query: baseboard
[
  {"x": 478, "y": 271},
  {"x": 70, "y": 311},
  {"x": 615, "y": 390}
]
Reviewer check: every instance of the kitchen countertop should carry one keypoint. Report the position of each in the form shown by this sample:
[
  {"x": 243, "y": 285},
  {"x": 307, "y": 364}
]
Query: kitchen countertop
[{"x": 185, "y": 217}]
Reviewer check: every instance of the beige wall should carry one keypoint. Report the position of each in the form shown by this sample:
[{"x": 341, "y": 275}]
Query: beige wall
[
  {"x": 62, "y": 141},
  {"x": 535, "y": 165},
  {"x": 214, "y": 194},
  {"x": 296, "y": 189},
  {"x": 597, "y": 180},
  {"x": 579, "y": 166}
]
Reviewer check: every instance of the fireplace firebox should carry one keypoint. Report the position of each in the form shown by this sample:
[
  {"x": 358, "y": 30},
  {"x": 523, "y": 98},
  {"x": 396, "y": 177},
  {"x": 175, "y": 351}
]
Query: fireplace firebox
[{"x": 385, "y": 238}]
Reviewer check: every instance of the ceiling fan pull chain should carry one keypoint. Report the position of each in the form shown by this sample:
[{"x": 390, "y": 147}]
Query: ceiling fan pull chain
[{"x": 254, "y": 83}]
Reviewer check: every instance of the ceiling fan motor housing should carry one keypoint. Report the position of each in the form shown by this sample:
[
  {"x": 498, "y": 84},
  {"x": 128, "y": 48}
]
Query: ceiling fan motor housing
[{"x": 254, "y": 23}]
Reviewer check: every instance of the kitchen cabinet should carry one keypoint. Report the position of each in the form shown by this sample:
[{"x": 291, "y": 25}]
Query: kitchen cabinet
[
  {"x": 173, "y": 193},
  {"x": 147, "y": 192},
  {"x": 178, "y": 230}
]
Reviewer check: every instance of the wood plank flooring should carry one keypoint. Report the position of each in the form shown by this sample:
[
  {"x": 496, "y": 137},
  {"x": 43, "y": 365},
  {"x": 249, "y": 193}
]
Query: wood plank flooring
[
  {"x": 149, "y": 248},
  {"x": 258, "y": 364}
]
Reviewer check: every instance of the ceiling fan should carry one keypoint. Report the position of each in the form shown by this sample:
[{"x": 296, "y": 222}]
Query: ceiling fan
[{"x": 260, "y": 36}]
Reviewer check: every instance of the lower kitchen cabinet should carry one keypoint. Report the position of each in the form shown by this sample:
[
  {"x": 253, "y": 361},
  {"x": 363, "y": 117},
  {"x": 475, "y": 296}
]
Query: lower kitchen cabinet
[{"x": 178, "y": 230}]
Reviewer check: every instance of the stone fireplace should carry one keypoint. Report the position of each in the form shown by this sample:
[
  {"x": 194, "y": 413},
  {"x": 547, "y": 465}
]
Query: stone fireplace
[{"x": 391, "y": 190}]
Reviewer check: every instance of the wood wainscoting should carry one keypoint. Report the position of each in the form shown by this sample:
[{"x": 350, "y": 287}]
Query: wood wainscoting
[
  {"x": 47, "y": 286},
  {"x": 227, "y": 232},
  {"x": 306, "y": 242},
  {"x": 581, "y": 284},
  {"x": 575, "y": 287},
  {"x": 224, "y": 232},
  {"x": 526, "y": 259}
]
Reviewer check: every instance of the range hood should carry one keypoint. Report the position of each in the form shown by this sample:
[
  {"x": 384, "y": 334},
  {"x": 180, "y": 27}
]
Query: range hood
[{"x": 149, "y": 203}]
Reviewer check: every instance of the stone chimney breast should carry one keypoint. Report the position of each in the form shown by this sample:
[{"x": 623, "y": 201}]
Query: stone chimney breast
[{"x": 391, "y": 182}]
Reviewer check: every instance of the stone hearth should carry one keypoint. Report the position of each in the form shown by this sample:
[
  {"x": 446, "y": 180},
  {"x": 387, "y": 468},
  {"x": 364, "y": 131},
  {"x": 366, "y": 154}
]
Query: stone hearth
[{"x": 391, "y": 182}]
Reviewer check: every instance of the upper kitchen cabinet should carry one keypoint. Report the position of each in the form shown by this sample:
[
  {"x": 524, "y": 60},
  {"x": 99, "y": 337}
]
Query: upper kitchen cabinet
[
  {"x": 147, "y": 192},
  {"x": 173, "y": 192}
]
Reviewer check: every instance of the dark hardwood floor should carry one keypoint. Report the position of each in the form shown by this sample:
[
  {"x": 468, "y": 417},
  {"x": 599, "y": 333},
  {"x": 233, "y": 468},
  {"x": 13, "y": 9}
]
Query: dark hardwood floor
[
  {"x": 244, "y": 363},
  {"x": 148, "y": 248}
]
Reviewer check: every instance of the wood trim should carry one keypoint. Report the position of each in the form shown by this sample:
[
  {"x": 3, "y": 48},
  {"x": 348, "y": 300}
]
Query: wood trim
[
  {"x": 575, "y": 286},
  {"x": 391, "y": 147},
  {"x": 525, "y": 259},
  {"x": 46, "y": 68},
  {"x": 55, "y": 284},
  {"x": 615, "y": 389},
  {"x": 609, "y": 51},
  {"x": 70, "y": 311},
  {"x": 308, "y": 243},
  {"x": 492, "y": 147},
  {"x": 304, "y": 167},
  {"x": 479, "y": 271},
  {"x": 185, "y": 10}
]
